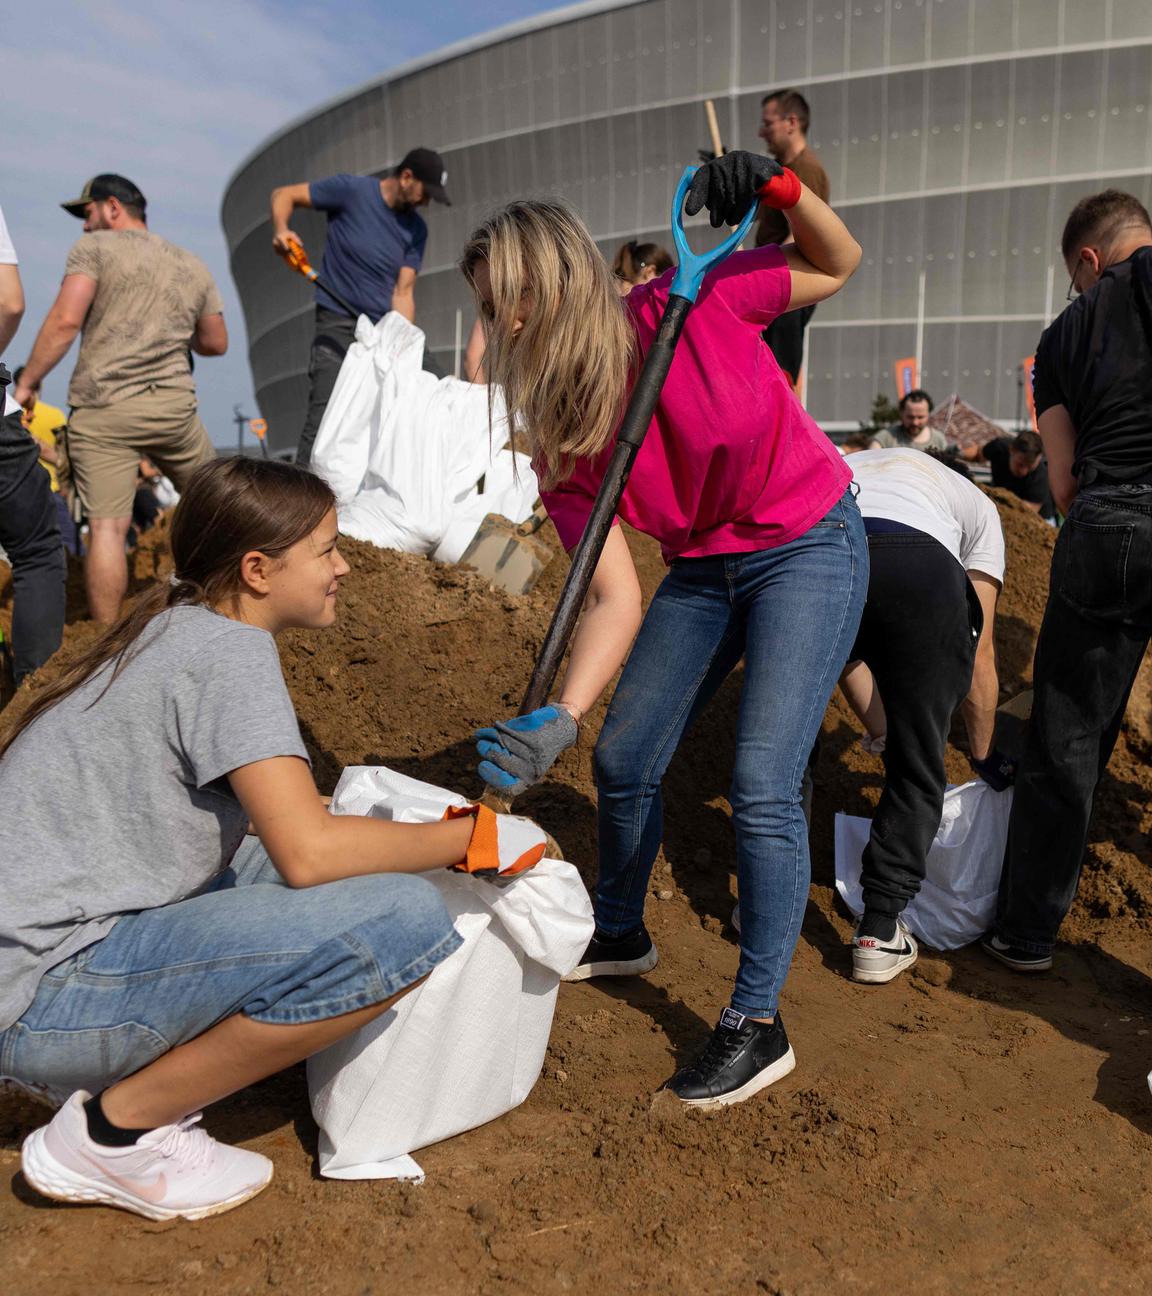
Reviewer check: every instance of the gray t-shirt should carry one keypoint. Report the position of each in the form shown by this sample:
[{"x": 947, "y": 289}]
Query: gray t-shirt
[
  {"x": 117, "y": 803},
  {"x": 897, "y": 438}
]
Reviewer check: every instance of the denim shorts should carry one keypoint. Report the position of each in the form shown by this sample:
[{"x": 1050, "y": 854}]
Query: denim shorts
[{"x": 250, "y": 944}]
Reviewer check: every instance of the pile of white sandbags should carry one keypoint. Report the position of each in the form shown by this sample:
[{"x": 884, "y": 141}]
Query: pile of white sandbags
[{"x": 414, "y": 460}]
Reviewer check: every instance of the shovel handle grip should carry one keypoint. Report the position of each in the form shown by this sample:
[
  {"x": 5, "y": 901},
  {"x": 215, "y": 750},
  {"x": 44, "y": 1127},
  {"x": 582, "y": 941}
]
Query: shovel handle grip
[{"x": 693, "y": 267}]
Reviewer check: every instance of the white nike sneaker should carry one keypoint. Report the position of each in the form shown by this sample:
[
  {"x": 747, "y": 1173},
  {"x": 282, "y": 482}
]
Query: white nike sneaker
[
  {"x": 172, "y": 1172},
  {"x": 875, "y": 961}
]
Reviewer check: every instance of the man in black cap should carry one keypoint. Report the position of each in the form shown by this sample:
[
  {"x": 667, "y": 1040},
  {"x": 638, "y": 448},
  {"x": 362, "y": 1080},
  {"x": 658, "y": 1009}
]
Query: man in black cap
[
  {"x": 373, "y": 252},
  {"x": 140, "y": 304}
]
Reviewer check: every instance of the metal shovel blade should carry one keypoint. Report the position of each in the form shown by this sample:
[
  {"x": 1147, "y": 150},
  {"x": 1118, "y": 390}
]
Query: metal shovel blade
[{"x": 509, "y": 555}]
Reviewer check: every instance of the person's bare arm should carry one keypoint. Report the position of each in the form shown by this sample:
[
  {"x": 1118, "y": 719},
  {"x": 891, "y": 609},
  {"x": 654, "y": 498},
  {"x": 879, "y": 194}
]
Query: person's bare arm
[
  {"x": 211, "y": 335},
  {"x": 285, "y": 200},
  {"x": 11, "y": 303},
  {"x": 823, "y": 255},
  {"x": 611, "y": 618},
  {"x": 1059, "y": 437},
  {"x": 979, "y": 707},
  {"x": 859, "y": 688},
  {"x": 309, "y": 846},
  {"x": 64, "y": 320},
  {"x": 404, "y": 294}
]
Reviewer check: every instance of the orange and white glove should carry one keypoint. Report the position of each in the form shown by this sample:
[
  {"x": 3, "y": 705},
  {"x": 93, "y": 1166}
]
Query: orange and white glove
[{"x": 503, "y": 844}]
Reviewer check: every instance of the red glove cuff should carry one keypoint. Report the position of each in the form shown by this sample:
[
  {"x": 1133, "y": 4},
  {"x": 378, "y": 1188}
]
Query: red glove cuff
[{"x": 782, "y": 191}]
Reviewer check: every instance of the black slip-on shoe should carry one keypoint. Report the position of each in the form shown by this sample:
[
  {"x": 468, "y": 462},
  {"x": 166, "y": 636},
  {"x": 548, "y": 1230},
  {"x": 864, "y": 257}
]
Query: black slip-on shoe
[
  {"x": 741, "y": 1058},
  {"x": 626, "y": 955},
  {"x": 1019, "y": 960}
]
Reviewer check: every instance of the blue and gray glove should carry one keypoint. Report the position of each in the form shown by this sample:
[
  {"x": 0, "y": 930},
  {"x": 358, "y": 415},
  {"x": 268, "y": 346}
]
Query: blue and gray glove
[
  {"x": 996, "y": 769},
  {"x": 517, "y": 753}
]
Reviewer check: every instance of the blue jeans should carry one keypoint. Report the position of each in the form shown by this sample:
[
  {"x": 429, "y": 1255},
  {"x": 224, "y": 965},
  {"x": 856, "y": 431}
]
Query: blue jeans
[
  {"x": 1095, "y": 631},
  {"x": 249, "y": 944},
  {"x": 792, "y": 614}
]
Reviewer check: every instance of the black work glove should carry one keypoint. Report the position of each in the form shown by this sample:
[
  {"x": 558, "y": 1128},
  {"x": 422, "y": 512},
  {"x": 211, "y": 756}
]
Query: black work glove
[
  {"x": 729, "y": 185},
  {"x": 996, "y": 769}
]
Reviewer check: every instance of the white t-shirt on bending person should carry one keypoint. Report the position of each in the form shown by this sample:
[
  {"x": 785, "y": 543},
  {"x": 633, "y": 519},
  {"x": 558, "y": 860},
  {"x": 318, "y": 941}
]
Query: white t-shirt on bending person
[{"x": 910, "y": 487}]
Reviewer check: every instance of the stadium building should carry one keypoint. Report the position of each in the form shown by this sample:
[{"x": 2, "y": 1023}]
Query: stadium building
[{"x": 956, "y": 133}]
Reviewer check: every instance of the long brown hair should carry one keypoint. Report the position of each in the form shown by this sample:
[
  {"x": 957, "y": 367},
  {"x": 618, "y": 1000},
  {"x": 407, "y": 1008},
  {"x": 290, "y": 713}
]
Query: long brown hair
[
  {"x": 565, "y": 374},
  {"x": 231, "y": 507}
]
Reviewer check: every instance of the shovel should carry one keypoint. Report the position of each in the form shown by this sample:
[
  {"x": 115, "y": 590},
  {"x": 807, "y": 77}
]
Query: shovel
[{"x": 633, "y": 428}]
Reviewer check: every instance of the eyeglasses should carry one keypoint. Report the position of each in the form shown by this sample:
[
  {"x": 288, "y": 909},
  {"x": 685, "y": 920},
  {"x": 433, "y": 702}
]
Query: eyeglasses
[{"x": 1073, "y": 292}]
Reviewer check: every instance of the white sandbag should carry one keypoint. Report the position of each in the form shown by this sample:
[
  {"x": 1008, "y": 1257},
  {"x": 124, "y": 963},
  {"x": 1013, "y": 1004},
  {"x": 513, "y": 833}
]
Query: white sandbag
[
  {"x": 957, "y": 900},
  {"x": 466, "y": 1046},
  {"x": 404, "y": 451}
]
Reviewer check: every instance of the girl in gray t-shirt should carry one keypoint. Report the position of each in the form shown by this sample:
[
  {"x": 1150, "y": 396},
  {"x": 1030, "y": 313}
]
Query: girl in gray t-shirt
[{"x": 153, "y": 958}]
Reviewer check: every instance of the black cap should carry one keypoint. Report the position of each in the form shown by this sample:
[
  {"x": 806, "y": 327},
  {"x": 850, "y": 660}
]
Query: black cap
[
  {"x": 428, "y": 165},
  {"x": 106, "y": 186}
]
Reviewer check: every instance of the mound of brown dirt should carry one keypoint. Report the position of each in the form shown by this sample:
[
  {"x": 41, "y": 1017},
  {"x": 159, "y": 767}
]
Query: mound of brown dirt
[{"x": 935, "y": 1133}]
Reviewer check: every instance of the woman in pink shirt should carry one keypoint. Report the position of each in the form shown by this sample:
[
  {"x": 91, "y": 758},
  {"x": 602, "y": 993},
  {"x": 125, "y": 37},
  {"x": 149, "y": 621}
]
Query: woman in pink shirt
[{"x": 767, "y": 559}]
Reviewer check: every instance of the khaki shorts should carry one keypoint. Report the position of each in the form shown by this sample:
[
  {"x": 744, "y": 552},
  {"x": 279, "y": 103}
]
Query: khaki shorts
[{"x": 105, "y": 445}]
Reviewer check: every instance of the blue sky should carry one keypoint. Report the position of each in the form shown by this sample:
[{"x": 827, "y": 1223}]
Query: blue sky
[{"x": 174, "y": 96}]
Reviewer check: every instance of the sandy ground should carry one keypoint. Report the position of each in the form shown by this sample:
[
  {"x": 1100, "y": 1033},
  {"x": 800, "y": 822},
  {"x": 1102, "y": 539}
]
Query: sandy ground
[{"x": 962, "y": 1127}]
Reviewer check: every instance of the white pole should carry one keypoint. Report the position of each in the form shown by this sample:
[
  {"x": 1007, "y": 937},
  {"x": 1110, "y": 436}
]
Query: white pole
[
  {"x": 1048, "y": 293},
  {"x": 920, "y": 330},
  {"x": 459, "y": 327}
]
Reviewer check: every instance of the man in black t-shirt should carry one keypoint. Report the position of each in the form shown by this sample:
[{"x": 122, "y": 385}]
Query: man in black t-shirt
[
  {"x": 1018, "y": 466},
  {"x": 1093, "y": 388}
]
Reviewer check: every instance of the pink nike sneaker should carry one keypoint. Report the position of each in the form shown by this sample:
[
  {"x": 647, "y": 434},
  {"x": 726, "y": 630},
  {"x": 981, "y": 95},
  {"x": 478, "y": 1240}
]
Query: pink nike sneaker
[{"x": 176, "y": 1171}]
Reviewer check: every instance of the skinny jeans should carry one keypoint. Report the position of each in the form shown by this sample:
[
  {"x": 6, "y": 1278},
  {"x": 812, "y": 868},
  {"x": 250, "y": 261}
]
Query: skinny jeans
[{"x": 791, "y": 613}]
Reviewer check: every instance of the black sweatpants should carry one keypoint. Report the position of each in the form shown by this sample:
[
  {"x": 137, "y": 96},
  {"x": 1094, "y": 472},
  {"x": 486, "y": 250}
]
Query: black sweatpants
[{"x": 918, "y": 636}]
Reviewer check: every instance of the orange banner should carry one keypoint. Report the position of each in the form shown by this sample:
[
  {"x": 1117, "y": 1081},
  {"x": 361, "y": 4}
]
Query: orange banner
[
  {"x": 1028, "y": 364},
  {"x": 907, "y": 376}
]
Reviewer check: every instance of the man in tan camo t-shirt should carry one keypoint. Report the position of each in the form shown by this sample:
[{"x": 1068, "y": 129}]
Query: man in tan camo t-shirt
[{"x": 140, "y": 305}]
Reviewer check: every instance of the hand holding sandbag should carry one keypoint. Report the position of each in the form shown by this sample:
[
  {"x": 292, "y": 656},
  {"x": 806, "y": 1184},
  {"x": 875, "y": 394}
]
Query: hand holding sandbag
[
  {"x": 503, "y": 844},
  {"x": 517, "y": 753},
  {"x": 996, "y": 769},
  {"x": 730, "y": 184}
]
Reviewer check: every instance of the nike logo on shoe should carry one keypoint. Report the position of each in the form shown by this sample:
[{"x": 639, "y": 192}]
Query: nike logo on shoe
[{"x": 151, "y": 1190}]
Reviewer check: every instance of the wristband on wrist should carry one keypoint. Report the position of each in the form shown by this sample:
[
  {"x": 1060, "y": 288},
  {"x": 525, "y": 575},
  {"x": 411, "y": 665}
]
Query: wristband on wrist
[{"x": 782, "y": 191}]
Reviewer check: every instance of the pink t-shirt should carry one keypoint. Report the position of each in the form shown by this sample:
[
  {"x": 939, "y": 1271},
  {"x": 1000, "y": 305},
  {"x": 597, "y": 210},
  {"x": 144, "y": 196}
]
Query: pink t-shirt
[{"x": 731, "y": 462}]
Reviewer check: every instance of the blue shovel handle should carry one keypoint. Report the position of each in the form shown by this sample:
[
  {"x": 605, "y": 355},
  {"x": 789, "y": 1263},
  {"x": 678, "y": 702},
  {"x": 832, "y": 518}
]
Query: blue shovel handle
[{"x": 692, "y": 268}]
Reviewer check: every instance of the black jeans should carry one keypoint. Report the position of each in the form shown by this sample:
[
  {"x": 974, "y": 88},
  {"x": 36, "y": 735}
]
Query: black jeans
[
  {"x": 30, "y": 535},
  {"x": 785, "y": 339},
  {"x": 335, "y": 333},
  {"x": 918, "y": 637},
  {"x": 1095, "y": 631}
]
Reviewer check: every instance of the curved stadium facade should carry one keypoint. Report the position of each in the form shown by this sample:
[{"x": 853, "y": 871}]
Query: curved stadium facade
[{"x": 956, "y": 135}]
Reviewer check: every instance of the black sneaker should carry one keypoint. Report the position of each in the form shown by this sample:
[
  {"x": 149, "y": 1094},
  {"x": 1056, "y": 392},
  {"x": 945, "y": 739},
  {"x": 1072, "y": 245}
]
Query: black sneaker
[
  {"x": 742, "y": 1057},
  {"x": 626, "y": 955},
  {"x": 1019, "y": 960}
]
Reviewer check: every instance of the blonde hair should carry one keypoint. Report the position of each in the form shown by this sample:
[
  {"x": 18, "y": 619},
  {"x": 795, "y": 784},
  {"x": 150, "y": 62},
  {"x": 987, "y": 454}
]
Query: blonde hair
[{"x": 566, "y": 373}]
